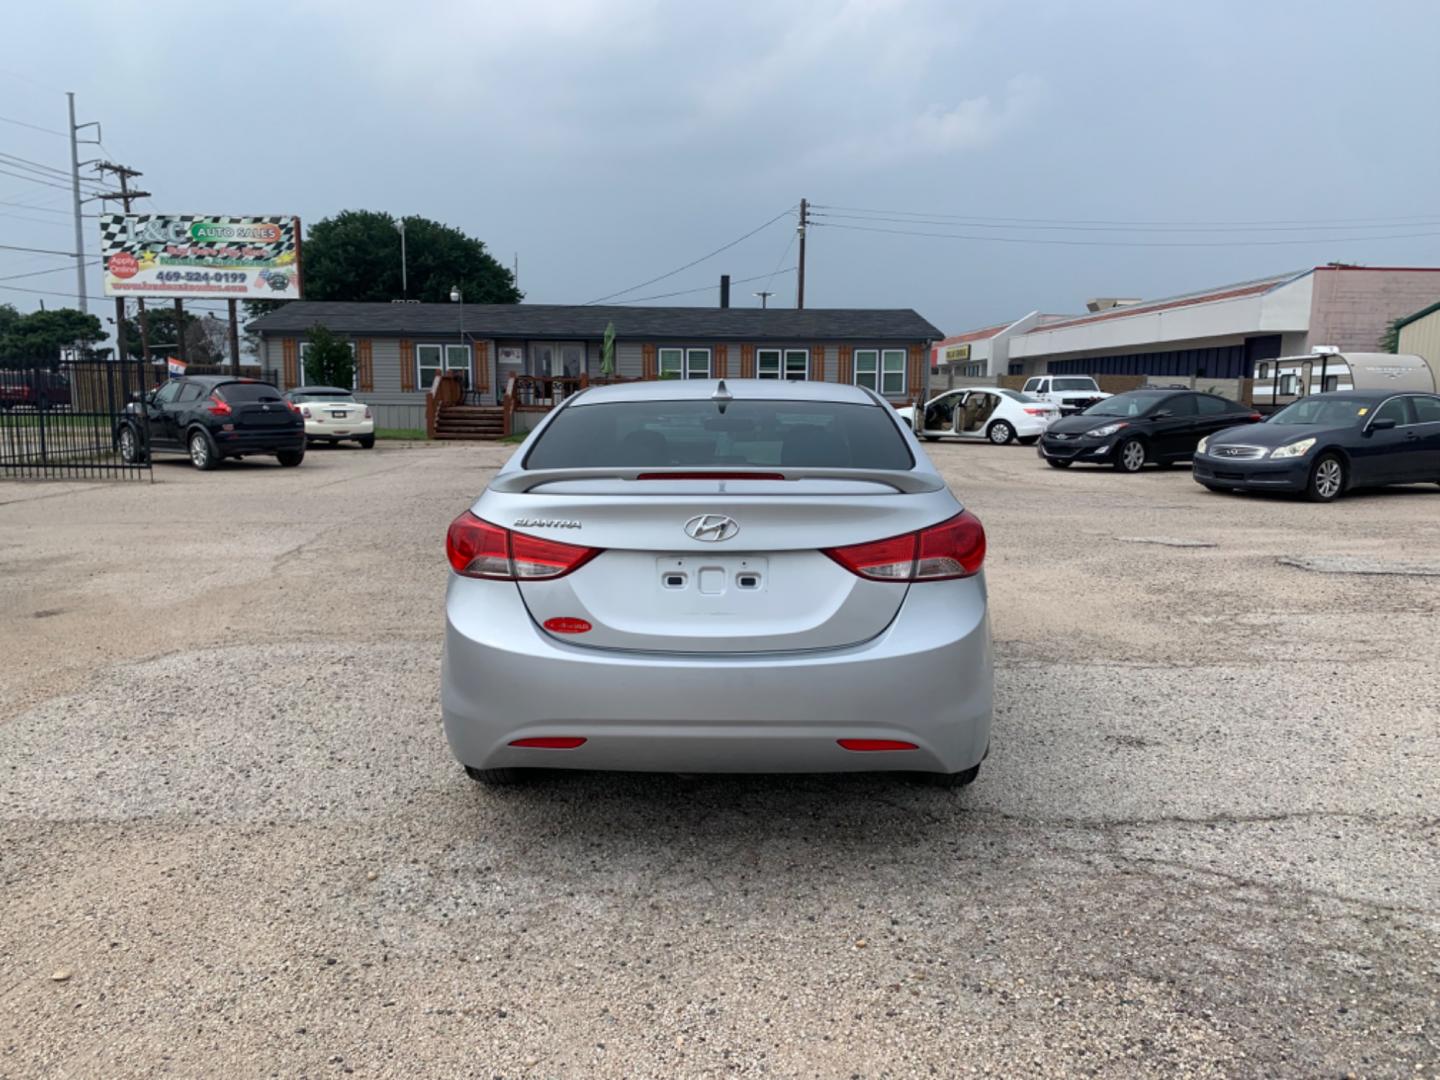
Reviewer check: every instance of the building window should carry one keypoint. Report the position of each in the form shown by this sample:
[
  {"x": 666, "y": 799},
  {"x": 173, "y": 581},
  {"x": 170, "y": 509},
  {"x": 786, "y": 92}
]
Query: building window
[
  {"x": 431, "y": 359},
  {"x": 881, "y": 370},
  {"x": 354, "y": 367},
  {"x": 1331, "y": 384},
  {"x": 685, "y": 363},
  {"x": 792, "y": 365},
  {"x": 1264, "y": 372},
  {"x": 1287, "y": 384}
]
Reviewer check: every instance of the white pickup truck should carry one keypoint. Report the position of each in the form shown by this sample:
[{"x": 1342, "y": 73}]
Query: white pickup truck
[{"x": 1073, "y": 393}]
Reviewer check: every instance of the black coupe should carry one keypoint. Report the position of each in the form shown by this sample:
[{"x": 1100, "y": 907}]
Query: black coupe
[{"x": 1128, "y": 430}]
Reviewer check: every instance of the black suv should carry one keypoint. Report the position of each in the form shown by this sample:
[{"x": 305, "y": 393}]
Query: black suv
[{"x": 210, "y": 417}]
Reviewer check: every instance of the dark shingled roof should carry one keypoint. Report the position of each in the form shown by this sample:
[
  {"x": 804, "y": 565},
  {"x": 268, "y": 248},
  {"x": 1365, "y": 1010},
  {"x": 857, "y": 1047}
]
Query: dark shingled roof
[{"x": 562, "y": 321}]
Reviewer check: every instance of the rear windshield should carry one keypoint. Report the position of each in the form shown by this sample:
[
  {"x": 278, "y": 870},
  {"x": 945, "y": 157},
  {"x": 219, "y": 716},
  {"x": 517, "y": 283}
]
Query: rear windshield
[
  {"x": 325, "y": 395},
  {"x": 1074, "y": 384},
  {"x": 251, "y": 391},
  {"x": 628, "y": 434}
]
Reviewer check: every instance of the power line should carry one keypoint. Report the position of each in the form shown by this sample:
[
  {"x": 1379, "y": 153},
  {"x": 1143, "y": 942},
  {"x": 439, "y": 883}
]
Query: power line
[
  {"x": 42, "y": 209},
  {"x": 706, "y": 288},
  {"x": 984, "y": 224},
  {"x": 32, "y": 127},
  {"x": 1127, "y": 243},
  {"x": 38, "y": 251},
  {"x": 17, "y": 162},
  {"x": 971, "y": 218},
  {"x": 37, "y": 273},
  {"x": 40, "y": 180},
  {"x": 694, "y": 262}
]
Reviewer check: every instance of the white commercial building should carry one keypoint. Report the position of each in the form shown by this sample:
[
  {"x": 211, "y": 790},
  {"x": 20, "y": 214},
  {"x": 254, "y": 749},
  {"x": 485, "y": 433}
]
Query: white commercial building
[{"x": 1218, "y": 333}]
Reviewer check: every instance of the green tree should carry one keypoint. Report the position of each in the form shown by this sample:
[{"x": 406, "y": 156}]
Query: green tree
[
  {"x": 355, "y": 255},
  {"x": 160, "y": 323},
  {"x": 41, "y": 335},
  {"x": 1390, "y": 340},
  {"x": 328, "y": 360}
]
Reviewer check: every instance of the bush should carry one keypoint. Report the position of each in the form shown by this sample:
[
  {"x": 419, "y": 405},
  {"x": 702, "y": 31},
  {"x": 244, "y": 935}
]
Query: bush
[{"x": 328, "y": 359}]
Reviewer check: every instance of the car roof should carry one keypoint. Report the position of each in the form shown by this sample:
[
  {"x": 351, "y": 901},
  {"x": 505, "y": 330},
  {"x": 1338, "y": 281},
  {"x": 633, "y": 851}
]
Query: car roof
[
  {"x": 739, "y": 389},
  {"x": 1362, "y": 395},
  {"x": 221, "y": 380}
]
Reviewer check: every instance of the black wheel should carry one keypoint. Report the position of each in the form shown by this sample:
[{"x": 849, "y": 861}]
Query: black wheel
[
  {"x": 1327, "y": 479},
  {"x": 1000, "y": 432},
  {"x": 495, "y": 777},
  {"x": 203, "y": 454},
  {"x": 366, "y": 441},
  {"x": 129, "y": 446},
  {"x": 963, "y": 778},
  {"x": 1130, "y": 455},
  {"x": 1058, "y": 463},
  {"x": 291, "y": 458}
]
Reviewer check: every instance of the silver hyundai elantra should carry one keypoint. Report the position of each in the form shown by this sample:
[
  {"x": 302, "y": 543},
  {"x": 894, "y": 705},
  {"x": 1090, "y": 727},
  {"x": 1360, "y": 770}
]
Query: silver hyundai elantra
[{"x": 718, "y": 576}]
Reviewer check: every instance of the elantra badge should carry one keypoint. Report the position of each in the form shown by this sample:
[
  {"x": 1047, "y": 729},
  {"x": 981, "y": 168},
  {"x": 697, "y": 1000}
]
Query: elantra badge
[{"x": 711, "y": 528}]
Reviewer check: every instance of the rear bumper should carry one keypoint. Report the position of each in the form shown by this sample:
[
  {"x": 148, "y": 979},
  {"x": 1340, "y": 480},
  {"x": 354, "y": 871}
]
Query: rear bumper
[
  {"x": 338, "y": 429},
  {"x": 1252, "y": 475},
  {"x": 235, "y": 443},
  {"x": 927, "y": 679}
]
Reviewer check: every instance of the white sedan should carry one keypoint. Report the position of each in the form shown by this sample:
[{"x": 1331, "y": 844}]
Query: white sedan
[
  {"x": 332, "y": 413},
  {"x": 983, "y": 412}
]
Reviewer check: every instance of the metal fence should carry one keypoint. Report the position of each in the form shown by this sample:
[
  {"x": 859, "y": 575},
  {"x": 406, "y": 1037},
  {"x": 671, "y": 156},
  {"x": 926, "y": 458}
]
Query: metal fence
[{"x": 58, "y": 420}]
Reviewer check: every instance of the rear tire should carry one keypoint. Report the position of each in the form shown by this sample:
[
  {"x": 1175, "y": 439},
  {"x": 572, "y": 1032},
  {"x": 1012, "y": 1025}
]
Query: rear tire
[
  {"x": 366, "y": 441},
  {"x": 291, "y": 458},
  {"x": 495, "y": 777},
  {"x": 203, "y": 454},
  {"x": 1327, "y": 479},
  {"x": 1000, "y": 432},
  {"x": 963, "y": 778},
  {"x": 1130, "y": 455}
]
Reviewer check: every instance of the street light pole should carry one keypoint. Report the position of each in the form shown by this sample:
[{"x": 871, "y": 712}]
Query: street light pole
[{"x": 457, "y": 297}]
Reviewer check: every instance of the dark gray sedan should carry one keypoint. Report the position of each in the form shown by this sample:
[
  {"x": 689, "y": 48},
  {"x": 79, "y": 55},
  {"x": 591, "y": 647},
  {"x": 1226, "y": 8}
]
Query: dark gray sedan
[{"x": 1327, "y": 444}]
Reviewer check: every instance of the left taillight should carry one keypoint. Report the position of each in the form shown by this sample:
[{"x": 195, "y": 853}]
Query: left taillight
[
  {"x": 952, "y": 549},
  {"x": 476, "y": 548},
  {"x": 218, "y": 406}
]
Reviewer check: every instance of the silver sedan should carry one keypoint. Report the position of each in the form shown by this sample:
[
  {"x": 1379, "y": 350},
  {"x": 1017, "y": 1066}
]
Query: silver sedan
[{"x": 718, "y": 576}]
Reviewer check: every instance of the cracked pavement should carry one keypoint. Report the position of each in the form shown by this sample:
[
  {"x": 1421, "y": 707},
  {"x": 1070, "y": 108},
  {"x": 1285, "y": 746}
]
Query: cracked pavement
[{"x": 1206, "y": 842}]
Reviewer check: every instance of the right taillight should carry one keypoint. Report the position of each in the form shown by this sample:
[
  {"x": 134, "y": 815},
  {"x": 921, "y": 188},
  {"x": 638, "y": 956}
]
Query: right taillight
[
  {"x": 952, "y": 549},
  {"x": 478, "y": 549}
]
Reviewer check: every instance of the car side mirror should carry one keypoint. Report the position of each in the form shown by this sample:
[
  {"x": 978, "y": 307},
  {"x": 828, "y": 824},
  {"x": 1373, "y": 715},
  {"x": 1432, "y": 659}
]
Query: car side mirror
[{"x": 1379, "y": 424}]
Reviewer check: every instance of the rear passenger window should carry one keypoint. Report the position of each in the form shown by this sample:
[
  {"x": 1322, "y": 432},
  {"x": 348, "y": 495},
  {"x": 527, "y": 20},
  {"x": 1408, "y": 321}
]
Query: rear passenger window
[
  {"x": 641, "y": 434},
  {"x": 1212, "y": 406},
  {"x": 1427, "y": 409},
  {"x": 189, "y": 392},
  {"x": 1181, "y": 405}
]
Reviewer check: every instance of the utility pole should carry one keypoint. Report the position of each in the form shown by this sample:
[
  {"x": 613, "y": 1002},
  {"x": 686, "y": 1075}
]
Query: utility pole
[
  {"x": 125, "y": 195},
  {"x": 800, "y": 282},
  {"x": 75, "y": 142}
]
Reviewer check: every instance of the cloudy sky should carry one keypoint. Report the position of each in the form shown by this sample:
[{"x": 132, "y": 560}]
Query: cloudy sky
[{"x": 608, "y": 142}]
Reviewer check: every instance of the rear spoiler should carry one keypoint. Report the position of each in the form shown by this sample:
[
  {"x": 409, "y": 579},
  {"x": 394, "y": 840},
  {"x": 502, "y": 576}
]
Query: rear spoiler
[{"x": 908, "y": 483}]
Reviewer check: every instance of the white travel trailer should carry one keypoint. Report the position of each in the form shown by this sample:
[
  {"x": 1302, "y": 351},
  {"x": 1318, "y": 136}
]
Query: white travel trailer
[{"x": 1279, "y": 382}]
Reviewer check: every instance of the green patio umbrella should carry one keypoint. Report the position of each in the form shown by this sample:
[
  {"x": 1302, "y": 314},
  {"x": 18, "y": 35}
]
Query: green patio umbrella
[{"x": 607, "y": 351}]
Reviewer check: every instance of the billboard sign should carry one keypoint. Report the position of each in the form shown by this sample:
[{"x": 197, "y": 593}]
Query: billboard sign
[{"x": 200, "y": 257}]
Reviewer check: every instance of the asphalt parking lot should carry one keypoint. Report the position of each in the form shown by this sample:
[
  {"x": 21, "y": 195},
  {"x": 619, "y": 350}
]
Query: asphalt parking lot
[{"x": 1206, "y": 841}]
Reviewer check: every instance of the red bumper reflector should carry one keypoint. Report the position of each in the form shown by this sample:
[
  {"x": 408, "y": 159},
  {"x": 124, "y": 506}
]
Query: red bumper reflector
[
  {"x": 566, "y": 626},
  {"x": 550, "y": 742},
  {"x": 876, "y": 744}
]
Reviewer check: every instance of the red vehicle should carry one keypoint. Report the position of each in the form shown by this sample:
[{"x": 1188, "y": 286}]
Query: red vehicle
[{"x": 33, "y": 388}]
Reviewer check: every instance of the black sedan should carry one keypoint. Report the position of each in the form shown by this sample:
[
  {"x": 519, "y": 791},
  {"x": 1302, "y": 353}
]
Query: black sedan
[
  {"x": 210, "y": 417},
  {"x": 1328, "y": 444},
  {"x": 1128, "y": 430}
]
